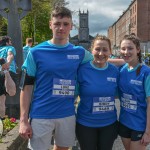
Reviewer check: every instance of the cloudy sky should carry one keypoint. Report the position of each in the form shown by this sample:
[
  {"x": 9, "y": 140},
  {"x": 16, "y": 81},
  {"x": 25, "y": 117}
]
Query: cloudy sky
[{"x": 102, "y": 13}]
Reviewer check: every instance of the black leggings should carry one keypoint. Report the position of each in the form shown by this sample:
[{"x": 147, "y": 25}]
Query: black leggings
[{"x": 96, "y": 138}]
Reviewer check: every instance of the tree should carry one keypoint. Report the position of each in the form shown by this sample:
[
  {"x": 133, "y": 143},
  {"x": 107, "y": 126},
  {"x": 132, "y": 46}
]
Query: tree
[
  {"x": 35, "y": 24},
  {"x": 55, "y": 3},
  {"x": 3, "y": 26}
]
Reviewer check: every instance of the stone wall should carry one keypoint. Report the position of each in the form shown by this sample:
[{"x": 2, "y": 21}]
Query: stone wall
[{"x": 12, "y": 141}]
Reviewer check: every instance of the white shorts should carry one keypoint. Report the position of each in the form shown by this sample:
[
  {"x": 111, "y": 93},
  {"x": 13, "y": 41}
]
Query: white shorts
[{"x": 62, "y": 129}]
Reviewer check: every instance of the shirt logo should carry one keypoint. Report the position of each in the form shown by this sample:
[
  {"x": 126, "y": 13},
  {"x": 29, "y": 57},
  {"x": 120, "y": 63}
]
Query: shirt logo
[
  {"x": 73, "y": 56},
  {"x": 65, "y": 82},
  {"x": 110, "y": 79},
  {"x": 136, "y": 82}
]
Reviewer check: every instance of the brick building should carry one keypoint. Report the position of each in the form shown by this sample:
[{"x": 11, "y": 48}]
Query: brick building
[{"x": 135, "y": 19}]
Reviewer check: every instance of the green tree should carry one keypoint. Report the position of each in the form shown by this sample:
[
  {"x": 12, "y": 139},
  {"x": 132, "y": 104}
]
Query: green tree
[
  {"x": 35, "y": 24},
  {"x": 3, "y": 26},
  {"x": 55, "y": 3}
]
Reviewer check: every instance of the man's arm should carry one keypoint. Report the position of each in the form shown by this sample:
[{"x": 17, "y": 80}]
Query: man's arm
[
  {"x": 9, "y": 84},
  {"x": 87, "y": 57},
  {"x": 25, "y": 100}
]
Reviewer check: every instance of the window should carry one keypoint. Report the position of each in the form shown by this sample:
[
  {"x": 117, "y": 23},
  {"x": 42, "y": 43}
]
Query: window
[{"x": 131, "y": 11}]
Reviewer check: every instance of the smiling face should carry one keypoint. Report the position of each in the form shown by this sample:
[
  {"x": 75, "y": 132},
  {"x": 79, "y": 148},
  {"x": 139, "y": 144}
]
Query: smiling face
[
  {"x": 101, "y": 52},
  {"x": 129, "y": 52}
]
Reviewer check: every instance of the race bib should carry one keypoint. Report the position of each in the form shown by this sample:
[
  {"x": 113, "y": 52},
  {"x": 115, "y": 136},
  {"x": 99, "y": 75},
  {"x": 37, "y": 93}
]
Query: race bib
[
  {"x": 63, "y": 88},
  {"x": 128, "y": 102},
  {"x": 103, "y": 104}
]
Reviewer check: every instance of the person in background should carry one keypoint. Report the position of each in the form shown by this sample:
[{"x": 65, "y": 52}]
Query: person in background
[
  {"x": 8, "y": 52},
  {"x": 52, "y": 67},
  {"x": 96, "y": 127},
  {"x": 26, "y": 48},
  {"x": 7, "y": 86},
  {"x": 134, "y": 91}
]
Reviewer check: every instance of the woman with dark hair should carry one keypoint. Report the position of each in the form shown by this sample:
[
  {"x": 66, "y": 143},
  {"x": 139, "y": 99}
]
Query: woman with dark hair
[
  {"x": 7, "y": 71},
  {"x": 7, "y": 86},
  {"x": 134, "y": 84},
  {"x": 4, "y": 40}
]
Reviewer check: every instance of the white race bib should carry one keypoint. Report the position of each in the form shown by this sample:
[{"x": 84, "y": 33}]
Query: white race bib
[{"x": 63, "y": 88}]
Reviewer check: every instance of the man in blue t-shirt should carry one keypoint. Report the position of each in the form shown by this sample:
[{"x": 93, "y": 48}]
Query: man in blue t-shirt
[{"x": 27, "y": 47}]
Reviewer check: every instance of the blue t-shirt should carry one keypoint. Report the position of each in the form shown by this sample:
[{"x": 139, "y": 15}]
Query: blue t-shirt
[
  {"x": 25, "y": 51},
  {"x": 97, "y": 91},
  {"x": 54, "y": 68},
  {"x": 4, "y": 53},
  {"x": 133, "y": 92}
]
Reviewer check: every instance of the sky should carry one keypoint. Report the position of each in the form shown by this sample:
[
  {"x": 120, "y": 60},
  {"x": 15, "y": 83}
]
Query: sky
[{"x": 102, "y": 13}]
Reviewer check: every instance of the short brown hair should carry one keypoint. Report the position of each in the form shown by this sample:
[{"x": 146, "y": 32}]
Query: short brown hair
[
  {"x": 29, "y": 40},
  {"x": 62, "y": 12}
]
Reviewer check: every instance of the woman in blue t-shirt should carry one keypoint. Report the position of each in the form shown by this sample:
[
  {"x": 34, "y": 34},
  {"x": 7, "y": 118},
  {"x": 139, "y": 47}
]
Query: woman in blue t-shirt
[
  {"x": 134, "y": 84},
  {"x": 96, "y": 127}
]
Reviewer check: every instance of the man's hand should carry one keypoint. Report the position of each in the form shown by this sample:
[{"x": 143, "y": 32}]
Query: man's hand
[{"x": 25, "y": 130}]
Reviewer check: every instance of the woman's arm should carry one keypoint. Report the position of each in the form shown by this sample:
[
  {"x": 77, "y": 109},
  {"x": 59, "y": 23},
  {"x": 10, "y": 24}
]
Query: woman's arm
[
  {"x": 117, "y": 62},
  {"x": 146, "y": 137}
]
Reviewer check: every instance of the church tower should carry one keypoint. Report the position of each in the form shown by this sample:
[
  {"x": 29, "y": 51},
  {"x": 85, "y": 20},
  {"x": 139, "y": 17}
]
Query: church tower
[
  {"x": 83, "y": 31},
  {"x": 83, "y": 38}
]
